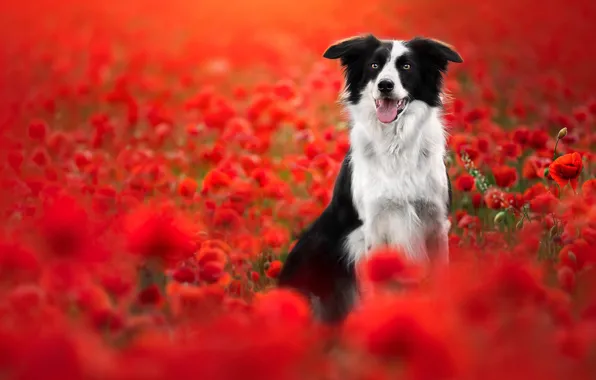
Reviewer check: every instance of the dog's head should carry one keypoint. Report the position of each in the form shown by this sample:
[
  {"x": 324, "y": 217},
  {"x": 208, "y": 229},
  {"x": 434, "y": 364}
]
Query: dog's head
[{"x": 386, "y": 76}]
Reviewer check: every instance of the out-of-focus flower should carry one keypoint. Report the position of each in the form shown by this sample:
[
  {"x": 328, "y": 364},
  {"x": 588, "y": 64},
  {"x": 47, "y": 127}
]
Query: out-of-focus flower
[
  {"x": 159, "y": 234},
  {"x": 187, "y": 187}
]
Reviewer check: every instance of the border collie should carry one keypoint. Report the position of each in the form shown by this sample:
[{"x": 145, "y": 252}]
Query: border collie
[{"x": 393, "y": 188}]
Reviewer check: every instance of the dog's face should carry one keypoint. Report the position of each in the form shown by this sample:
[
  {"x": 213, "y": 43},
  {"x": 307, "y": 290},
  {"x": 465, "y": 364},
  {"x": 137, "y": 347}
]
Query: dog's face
[{"x": 386, "y": 76}]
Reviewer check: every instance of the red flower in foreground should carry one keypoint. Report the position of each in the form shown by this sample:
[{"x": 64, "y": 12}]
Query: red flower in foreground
[
  {"x": 283, "y": 304},
  {"x": 390, "y": 330},
  {"x": 385, "y": 265},
  {"x": 566, "y": 169},
  {"x": 566, "y": 278}
]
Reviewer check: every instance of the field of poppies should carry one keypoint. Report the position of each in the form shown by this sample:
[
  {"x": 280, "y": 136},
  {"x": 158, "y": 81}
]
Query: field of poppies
[{"x": 158, "y": 159}]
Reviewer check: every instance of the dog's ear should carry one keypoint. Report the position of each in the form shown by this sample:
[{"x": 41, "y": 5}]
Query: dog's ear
[
  {"x": 438, "y": 50},
  {"x": 351, "y": 47}
]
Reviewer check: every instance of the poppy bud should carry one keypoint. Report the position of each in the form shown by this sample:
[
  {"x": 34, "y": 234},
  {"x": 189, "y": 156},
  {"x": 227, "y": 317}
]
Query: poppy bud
[
  {"x": 562, "y": 133},
  {"x": 499, "y": 217}
]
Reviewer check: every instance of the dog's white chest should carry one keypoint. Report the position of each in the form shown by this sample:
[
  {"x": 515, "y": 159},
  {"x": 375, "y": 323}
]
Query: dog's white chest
[
  {"x": 399, "y": 202},
  {"x": 374, "y": 185}
]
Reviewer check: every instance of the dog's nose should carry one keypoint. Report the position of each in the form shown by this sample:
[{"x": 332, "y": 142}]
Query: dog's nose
[{"x": 386, "y": 86}]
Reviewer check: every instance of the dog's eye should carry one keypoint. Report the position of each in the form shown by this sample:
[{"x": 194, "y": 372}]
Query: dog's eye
[
  {"x": 406, "y": 66},
  {"x": 374, "y": 66}
]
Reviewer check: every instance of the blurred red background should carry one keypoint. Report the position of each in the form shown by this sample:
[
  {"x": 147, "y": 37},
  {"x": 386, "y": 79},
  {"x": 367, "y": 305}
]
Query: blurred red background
[{"x": 228, "y": 111}]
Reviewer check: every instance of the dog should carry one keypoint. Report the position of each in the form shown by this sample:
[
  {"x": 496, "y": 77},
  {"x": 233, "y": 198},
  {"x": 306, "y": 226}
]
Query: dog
[{"x": 393, "y": 188}]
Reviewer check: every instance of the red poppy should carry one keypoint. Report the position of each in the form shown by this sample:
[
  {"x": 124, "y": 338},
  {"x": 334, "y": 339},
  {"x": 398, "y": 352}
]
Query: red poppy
[
  {"x": 566, "y": 169},
  {"x": 150, "y": 296},
  {"x": 464, "y": 182},
  {"x": 184, "y": 274},
  {"x": 566, "y": 278},
  {"x": 159, "y": 234},
  {"x": 64, "y": 224},
  {"x": 211, "y": 271},
  {"x": 283, "y": 305},
  {"x": 534, "y": 167},
  {"x": 543, "y": 203},
  {"x": 274, "y": 269},
  {"x": 511, "y": 149},
  {"x": 535, "y": 190},
  {"x": 187, "y": 187},
  {"x": 494, "y": 198},
  {"x": 385, "y": 264},
  {"x": 589, "y": 187},
  {"x": 38, "y": 130},
  {"x": 505, "y": 176}
]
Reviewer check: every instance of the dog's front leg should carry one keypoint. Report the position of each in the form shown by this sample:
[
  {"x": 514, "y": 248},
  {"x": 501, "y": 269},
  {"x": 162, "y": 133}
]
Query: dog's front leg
[{"x": 393, "y": 230}]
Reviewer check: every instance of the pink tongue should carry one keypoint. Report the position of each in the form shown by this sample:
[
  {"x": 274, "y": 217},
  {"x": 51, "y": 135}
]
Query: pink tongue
[{"x": 387, "y": 111}]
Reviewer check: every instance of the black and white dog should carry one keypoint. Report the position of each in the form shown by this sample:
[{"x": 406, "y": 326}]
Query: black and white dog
[{"x": 393, "y": 188}]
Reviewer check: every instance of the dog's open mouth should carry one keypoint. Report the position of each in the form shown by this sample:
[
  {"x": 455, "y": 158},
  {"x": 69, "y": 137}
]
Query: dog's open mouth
[{"x": 388, "y": 109}]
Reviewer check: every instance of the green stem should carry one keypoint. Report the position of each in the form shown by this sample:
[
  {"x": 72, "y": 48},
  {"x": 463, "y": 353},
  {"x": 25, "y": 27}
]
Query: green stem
[{"x": 555, "y": 152}]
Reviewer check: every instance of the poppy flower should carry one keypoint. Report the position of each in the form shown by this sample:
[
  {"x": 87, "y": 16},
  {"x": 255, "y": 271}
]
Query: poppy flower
[
  {"x": 274, "y": 269},
  {"x": 18, "y": 262},
  {"x": 494, "y": 198},
  {"x": 214, "y": 180},
  {"x": 159, "y": 234},
  {"x": 566, "y": 278},
  {"x": 578, "y": 254},
  {"x": 566, "y": 169},
  {"x": 184, "y": 274},
  {"x": 511, "y": 149},
  {"x": 210, "y": 252},
  {"x": 38, "y": 129},
  {"x": 385, "y": 265},
  {"x": 150, "y": 296},
  {"x": 15, "y": 159},
  {"x": 276, "y": 237},
  {"x": 469, "y": 222},
  {"x": 589, "y": 187},
  {"x": 284, "y": 305},
  {"x": 464, "y": 182},
  {"x": 477, "y": 200},
  {"x": 544, "y": 203},
  {"x": 534, "y": 167},
  {"x": 535, "y": 190},
  {"x": 227, "y": 218},
  {"x": 505, "y": 176},
  {"x": 187, "y": 187},
  {"x": 211, "y": 271},
  {"x": 64, "y": 224}
]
